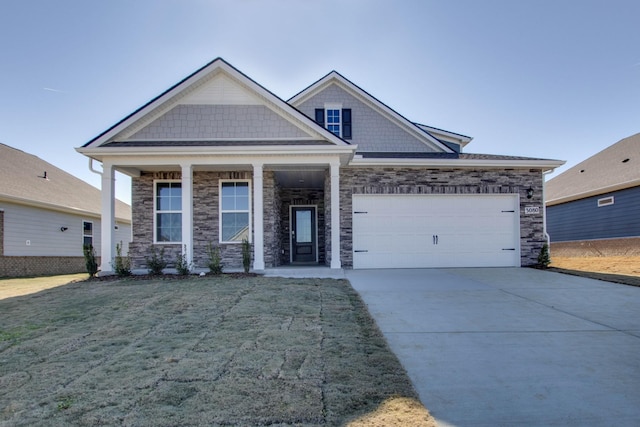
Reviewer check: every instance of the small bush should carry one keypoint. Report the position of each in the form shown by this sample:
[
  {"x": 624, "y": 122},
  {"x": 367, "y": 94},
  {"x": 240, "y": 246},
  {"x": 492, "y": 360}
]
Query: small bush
[
  {"x": 90, "y": 260},
  {"x": 156, "y": 263},
  {"x": 544, "y": 259},
  {"x": 121, "y": 264},
  {"x": 215, "y": 260},
  {"x": 182, "y": 264},
  {"x": 246, "y": 255}
]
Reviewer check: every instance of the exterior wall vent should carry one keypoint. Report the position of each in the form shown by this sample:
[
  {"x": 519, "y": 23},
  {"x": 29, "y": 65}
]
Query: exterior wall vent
[{"x": 605, "y": 201}]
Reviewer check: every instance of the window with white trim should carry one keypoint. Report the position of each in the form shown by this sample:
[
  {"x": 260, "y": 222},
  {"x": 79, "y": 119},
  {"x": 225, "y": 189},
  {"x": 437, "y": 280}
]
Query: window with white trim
[
  {"x": 87, "y": 233},
  {"x": 168, "y": 212},
  {"x": 605, "y": 201},
  {"x": 235, "y": 211},
  {"x": 335, "y": 119}
]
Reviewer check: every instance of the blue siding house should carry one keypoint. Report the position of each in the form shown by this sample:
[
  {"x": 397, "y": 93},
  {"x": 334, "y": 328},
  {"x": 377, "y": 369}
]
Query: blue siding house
[{"x": 594, "y": 207}]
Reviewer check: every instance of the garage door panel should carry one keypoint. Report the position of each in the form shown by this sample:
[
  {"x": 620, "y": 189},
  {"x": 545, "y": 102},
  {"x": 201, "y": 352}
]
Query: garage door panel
[{"x": 413, "y": 231}]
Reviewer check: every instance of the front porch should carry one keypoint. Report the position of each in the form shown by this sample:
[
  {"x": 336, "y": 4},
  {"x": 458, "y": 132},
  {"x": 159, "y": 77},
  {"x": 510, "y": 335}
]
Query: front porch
[{"x": 288, "y": 217}]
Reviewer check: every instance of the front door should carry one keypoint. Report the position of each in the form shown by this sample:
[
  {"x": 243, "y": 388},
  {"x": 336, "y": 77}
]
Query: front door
[{"x": 303, "y": 234}]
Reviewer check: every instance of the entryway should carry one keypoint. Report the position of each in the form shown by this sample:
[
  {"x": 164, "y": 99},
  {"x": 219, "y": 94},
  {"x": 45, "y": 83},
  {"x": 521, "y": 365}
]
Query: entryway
[{"x": 304, "y": 234}]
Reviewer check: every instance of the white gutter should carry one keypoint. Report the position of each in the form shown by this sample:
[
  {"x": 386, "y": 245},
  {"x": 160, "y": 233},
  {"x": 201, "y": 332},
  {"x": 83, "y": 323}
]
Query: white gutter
[{"x": 544, "y": 211}]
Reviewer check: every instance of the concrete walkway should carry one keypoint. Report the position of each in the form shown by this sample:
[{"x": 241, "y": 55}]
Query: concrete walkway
[{"x": 511, "y": 346}]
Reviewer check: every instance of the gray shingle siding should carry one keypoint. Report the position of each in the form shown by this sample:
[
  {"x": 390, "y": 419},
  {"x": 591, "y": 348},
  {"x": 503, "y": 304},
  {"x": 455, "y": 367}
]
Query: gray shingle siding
[
  {"x": 371, "y": 130},
  {"x": 584, "y": 220},
  {"x": 219, "y": 121}
]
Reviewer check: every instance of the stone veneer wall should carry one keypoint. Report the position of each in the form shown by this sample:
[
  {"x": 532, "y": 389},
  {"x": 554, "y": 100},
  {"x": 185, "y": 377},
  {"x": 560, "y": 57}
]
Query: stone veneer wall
[
  {"x": 205, "y": 219},
  {"x": 395, "y": 180},
  {"x": 297, "y": 197}
]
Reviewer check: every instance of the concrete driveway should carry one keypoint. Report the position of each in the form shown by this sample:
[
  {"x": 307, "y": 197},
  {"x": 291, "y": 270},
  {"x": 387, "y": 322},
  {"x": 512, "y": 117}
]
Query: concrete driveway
[{"x": 512, "y": 346}]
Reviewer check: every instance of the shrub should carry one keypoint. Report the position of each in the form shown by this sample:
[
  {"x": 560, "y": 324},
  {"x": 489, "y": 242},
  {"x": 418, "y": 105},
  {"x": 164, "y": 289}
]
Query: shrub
[
  {"x": 246, "y": 255},
  {"x": 156, "y": 263},
  {"x": 215, "y": 260},
  {"x": 182, "y": 264},
  {"x": 90, "y": 260},
  {"x": 121, "y": 264},
  {"x": 544, "y": 259}
]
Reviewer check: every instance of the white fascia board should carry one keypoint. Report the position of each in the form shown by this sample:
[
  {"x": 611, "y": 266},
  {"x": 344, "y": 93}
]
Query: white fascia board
[
  {"x": 594, "y": 192},
  {"x": 461, "y": 163},
  {"x": 463, "y": 140},
  {"x": 171, "y": 156},
  {"x": 214, "y": 151},
  {"x": 56, "y": 208}
]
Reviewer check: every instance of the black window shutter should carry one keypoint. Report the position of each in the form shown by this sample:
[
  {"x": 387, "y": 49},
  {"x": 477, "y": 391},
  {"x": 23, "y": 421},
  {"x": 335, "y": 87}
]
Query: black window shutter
[
  {"x": 346, "y": 123},
  {"x": 320, "y": 116}
]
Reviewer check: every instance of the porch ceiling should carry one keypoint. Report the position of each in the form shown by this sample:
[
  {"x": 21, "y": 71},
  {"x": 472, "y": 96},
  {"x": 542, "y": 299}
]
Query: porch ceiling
[{"x": 300, "y": 178}]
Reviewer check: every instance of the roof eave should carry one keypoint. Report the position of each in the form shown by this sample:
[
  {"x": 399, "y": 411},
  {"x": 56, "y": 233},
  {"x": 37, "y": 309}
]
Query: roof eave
[
  {"x": 545, "y": 165},
  {"x": 54, "y": 207},
  {"x": 594, "y": 192}
]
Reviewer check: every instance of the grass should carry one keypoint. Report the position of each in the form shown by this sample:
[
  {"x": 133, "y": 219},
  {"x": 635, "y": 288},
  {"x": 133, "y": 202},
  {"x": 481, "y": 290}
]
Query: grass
[{"x": 199, "y": 351}]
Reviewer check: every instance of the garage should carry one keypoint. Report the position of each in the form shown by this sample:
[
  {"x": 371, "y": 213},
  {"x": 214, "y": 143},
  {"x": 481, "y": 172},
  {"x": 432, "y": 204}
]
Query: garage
[{"x": 425, "y": 231}]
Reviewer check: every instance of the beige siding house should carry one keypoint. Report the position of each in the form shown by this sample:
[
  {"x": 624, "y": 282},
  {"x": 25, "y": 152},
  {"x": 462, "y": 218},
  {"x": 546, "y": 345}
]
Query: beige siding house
[
  {"x": 46, "y": 215},
  {"x": 331, "y": 177}
]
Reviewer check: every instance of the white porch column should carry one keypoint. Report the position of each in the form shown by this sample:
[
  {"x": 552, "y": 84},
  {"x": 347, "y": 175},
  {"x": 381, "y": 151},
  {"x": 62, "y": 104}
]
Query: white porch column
[
  {"x": 107, "y": 223},
  {"x": 187, "y": 211},
  {"x": 258, "y": 217},
  {"x": 335, "y": 215}
]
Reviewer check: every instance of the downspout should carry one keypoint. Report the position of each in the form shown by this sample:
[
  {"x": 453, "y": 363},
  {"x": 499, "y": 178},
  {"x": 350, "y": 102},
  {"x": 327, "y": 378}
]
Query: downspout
[
  {"x": 92, "y": 169},
  {"x": 544, "y": 209}
]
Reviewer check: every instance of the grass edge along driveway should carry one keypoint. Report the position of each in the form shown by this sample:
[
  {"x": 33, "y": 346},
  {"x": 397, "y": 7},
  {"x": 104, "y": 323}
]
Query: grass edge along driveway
[{"x": 199, "y": 351}]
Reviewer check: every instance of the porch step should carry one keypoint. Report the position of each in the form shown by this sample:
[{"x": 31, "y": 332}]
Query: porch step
[{"x": 305, "y": 272}]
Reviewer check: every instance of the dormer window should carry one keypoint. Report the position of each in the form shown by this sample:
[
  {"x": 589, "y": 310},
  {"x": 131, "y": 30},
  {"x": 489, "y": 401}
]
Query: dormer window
[
  {"x": 333, "y": 121},
  {"x": 336, "y": 119}
]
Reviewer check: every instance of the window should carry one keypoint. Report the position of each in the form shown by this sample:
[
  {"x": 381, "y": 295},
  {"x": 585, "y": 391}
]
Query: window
[
  {"x": 336, "y": 119},
  {"x": 168, "y": 217},
  {"x": 87, "y": 233},
  {"x": 333, "y": 121},
  {"x": 606, "y": 201},
  {"x": 235, "y": 211}
]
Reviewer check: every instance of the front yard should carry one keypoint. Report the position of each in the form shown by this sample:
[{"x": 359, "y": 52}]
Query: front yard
[{"x": 199, "y": 351}]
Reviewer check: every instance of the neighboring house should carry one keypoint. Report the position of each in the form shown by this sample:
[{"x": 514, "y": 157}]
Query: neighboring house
[
  {"x": 46, "y": 215},
  {"x": 594, "y": 207},
  {"x": 331, "y": 177}
]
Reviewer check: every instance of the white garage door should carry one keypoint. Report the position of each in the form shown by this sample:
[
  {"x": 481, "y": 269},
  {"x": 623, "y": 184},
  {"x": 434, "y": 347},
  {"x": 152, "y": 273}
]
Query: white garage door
[{"x": 421, "y": 231}]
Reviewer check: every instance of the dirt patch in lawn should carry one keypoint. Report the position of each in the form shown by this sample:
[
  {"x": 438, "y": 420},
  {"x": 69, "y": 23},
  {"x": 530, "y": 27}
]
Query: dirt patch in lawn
[
  {"x": 29, "y": 285},
  {"x": 616, "y": 269},
  {"x": 200, "y": 351}
]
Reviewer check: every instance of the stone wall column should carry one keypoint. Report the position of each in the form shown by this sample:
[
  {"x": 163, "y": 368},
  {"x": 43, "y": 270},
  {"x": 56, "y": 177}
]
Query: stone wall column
[
  {"x": 108, "y": 218},
  {"x": 187, "y": 212},
  {"x": 335, "y": 215},
  {"x": 258, "y": 217}
]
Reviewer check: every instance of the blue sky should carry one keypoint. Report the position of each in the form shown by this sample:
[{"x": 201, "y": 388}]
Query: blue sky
[{"x": 555, "y": 79}]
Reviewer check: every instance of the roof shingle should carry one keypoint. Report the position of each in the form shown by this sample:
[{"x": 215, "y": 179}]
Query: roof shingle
[{"x": 21, "y": 178}]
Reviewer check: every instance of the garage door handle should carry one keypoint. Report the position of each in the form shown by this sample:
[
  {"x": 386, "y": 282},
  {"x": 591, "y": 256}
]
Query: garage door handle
[
  {"x": 360, "y": 212},
  {"x": 435, "y": 239},
  {"x": 508, "y": 249},
  {"x": 362, "y": 250}
]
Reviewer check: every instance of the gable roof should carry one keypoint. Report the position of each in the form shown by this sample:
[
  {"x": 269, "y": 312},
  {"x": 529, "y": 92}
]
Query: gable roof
[
  {"x": 336, "y": 78},
  {"x": 22, "y": 181},
  {"x": 615, "y": 168},
  {"x": 168, "y": 99}
]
